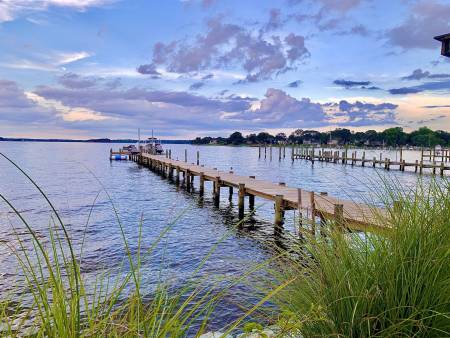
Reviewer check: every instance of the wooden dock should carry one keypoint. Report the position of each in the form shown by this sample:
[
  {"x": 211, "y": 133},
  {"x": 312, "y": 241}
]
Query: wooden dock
[
  {"x": 313, "y": 205},
  {"x": 352, "y": 159},
  {"x": 437, "y": 161}
]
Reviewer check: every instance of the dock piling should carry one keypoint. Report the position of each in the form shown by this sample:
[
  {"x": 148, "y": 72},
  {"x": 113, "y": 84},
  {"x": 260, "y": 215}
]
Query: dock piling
[{"x": 241, "y": 200}]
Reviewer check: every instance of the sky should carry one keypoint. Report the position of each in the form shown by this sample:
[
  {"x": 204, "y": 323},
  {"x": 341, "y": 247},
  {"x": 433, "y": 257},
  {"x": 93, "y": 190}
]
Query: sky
[{"x": 187, "y": 68}]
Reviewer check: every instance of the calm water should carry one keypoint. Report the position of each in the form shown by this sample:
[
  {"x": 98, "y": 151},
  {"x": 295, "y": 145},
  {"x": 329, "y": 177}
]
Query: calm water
[{"x": 70, "y": 173}]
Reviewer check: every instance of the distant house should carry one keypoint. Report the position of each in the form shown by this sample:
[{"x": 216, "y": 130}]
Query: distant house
[
  {"x": 373, "y": 143},
  {"x": 311, "y": 142},
  {"x": 333, "y": 142}
]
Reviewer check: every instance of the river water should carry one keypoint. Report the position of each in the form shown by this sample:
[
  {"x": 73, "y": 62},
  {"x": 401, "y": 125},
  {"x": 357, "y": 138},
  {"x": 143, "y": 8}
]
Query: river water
[{"x": 73, "y": 174}]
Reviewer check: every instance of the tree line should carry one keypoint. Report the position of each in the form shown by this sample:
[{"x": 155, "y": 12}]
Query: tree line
[{"x": 391, "y": 137}]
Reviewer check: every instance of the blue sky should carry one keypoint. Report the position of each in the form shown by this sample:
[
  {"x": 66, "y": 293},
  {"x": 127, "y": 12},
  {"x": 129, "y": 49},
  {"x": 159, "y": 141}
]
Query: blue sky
[{"x": 103, "y": 68}]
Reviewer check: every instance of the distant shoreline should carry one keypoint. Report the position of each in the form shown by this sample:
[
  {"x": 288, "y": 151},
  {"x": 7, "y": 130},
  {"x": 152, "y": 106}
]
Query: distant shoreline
[{"x": 13, "y": 139}]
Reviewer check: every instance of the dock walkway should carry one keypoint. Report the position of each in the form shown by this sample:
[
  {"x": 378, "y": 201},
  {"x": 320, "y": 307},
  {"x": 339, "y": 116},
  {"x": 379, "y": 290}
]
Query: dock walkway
[{"x": 353, "y": 215}]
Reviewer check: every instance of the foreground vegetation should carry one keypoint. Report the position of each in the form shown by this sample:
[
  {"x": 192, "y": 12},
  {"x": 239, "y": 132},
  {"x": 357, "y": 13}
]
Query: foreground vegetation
[
  {"x": 395, "y": 285},
  {"x": 391, "y": 137},
  {"x": 341, "y": 285}
]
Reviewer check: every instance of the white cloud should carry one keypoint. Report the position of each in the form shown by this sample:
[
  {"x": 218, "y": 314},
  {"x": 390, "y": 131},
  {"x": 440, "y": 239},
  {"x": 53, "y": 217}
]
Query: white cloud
[
  {"x": 53, "y": 61},
  {"x": 11, "y": 9},
  {"x": 69, "y": 114}
]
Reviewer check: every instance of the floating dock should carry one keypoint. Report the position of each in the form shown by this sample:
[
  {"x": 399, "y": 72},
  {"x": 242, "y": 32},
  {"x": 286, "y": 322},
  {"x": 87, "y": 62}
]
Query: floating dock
[{"x": 349, "y": 214}]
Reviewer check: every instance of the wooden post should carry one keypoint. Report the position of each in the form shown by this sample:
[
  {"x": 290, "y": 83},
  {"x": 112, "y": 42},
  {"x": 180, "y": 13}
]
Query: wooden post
[
  {"x": 230, "y": 194},
  {"x": 177, "y": 179},
  {"x": 198, "y": 157},
  {"x": 188, "y": 180},
  {"x": 259, "y": 151},
  {"x": 241, "y": 200},
  {"x": 185, "y": 155},
  {"x": 292, "y": 153},
  {"x": 421, "y": 167},
  {"x": 284, "y": 151},
  {"x": 279, "y": 153},
  {"x": 299, "y": 207},
  {"x": 265, "y": 151},
  {"x": 278, "y": 213},
  {"x": 434, "y": 166},
  {"x": 416, "y": 165},
  {"x": 442, "y": 168},
  {"x": 217, "y": 191},
  {"x": 322, "y": 218},
  {"x": 251, "y": 202},
  {"x": 170, "y": 153},
  {"x": 202, "y": 183},
  {"x": 363, "y": 159},
  {"x": 339, "y": 214},
  {"x": 270, "y": 152},
  {"x": 313, "y": 212}
]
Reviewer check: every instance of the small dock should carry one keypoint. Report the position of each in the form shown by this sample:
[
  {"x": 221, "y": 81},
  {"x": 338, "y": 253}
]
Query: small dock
[{"x": 314, "y": 206}]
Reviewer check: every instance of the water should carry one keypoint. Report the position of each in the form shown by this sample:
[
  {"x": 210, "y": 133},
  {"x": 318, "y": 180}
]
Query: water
[{"x": 73, "y": 176}]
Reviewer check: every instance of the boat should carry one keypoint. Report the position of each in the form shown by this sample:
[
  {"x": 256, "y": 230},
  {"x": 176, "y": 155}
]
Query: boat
[{"x": 153, "y": 146}]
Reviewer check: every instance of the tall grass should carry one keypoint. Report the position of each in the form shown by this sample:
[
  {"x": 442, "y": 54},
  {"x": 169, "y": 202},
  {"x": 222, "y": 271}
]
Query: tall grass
[
  {"x": 391, "y": 285},
  {"x": 63, "y": 304}
]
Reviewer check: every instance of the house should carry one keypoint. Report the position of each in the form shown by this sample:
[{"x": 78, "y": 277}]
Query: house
[{"x": 445, "y": 40}]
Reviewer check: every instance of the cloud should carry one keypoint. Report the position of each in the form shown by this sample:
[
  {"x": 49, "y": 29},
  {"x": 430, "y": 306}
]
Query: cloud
[
  {"x": 16, "y": 106},
  {"x": 100, "y": 108},
  {"x": 405, "y": 90},
  {"x": 295, "y": 84},
  {"x": 208, "y": 76},
  {"x": 419, "y": 74},
  {"x": 350, "y": 84},
  {"x": 11, "y": 9},
  {"x": 71, "y": 80},
  {"x": 361, "y": 113},
  {"x": 148, "y": 69},
  {"x": 274, "y": 22},
  {"x": 433, "y": 107},
  {"x": 279, "y": 109},
  {"x": 196, "y": 85},
  {"x": 226, "y": 44},
  {"x": 358, "y": 29},
  {"x": 50, "y": 61},
  {"x": 427, "y": 86},
  {"x": 428, "y": 18}
]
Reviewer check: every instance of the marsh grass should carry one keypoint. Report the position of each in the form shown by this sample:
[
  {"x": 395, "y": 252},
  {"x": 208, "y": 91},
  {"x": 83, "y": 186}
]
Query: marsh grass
[
  {"x": 63, "y": 304},
  {"x": 395, "y": 284}
]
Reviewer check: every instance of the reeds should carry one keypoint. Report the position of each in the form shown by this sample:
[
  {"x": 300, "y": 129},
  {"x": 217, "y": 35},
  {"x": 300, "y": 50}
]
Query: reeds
[
  {"x": 395, "y": 284},
  {"x": 63, "y": 304}
]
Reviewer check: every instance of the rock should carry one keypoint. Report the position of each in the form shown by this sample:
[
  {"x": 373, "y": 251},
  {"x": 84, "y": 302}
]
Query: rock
[{"x": 216, "y": 334}]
